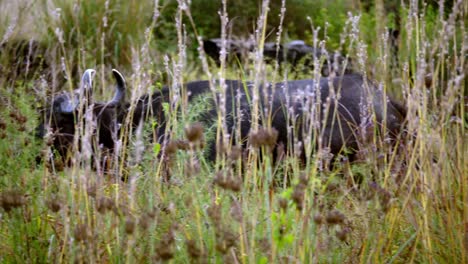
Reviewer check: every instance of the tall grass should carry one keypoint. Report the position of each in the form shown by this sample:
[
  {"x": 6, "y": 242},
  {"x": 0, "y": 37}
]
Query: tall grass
[{"x": 409, "y": 206}]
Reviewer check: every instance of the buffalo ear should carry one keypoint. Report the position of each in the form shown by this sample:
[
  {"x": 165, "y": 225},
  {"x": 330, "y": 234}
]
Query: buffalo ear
[{"x": 119, "y": 97}]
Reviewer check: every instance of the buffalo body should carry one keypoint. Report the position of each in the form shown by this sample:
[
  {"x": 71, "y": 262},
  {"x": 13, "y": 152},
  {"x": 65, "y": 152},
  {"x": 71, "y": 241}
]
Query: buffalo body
[{"x": 332, "y": 112}]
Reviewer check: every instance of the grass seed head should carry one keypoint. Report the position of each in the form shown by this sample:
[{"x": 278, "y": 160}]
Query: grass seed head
[
  {"x": 304, "y": 179},
  {"x": 130, "y": 225},
  {"x": 21, "y": 119},
  {"x": 104, "y": 204},
  {"x": 333, "y": 187},
  {"x": 82, "y": 232},
  {"x": 226, "y": 180},
  {"x": 283, "y": 204},
  {"x": 214, "y": 213},
  {"x": 234, "y": 183},
  {"x": 335, "y": 217},
  {"x": 318, "y": 219},
  {"x": 298, "y": 195},
  {"x": 171, "y": 148},
  {"x": 54, "y": 205},
  {"x": 144, "y": 221},
  {"x": 265, "y": 245},
  {"x": 2, "y": 125},
  {"x": 383, "y": 195},
  {"x": 192, "y": 249},
  {"x": 167, "y": 208},
  {"x": 236, "y": 211},
  {"x": 56, "y": 164},
  {"x": 236, "y": 153},
  {"x": 342, "y": 233},
  {"x": 263, "y": 137},
  {"x": 194, "y": 132},
  {"x": 182, "y": 144},
  {"x": 91, "y": 190},
  {"x": 220, "y": 179},
  {"x": 192, "y": 167},
  {"x": 225, "y": 239},
  {"x": 165, "y": 249},
  {"x": 164, "y": 252},
  {"x": 12, "y": 199}
]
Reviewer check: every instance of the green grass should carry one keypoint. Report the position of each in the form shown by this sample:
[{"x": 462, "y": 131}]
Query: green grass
[{"x": 411, "y": 206}]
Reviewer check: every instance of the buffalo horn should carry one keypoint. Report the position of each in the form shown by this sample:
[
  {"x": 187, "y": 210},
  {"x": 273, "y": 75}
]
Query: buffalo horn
[
  {"x": 120, "y": 88},
  {"x": 70, "y": 103}
]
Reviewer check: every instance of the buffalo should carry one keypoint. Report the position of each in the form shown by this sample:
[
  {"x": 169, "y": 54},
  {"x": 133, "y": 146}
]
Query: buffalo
[
  {"x": 22, "y": 59},
  {"x": 299, "y": 55},
  {"x": 61, "y": 117},
  {"x": 332, "y": 113}
]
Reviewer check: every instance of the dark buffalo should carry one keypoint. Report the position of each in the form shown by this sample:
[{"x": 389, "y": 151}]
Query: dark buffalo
[
  {"x": 63, "y": 116},
  {"x": 337, "y": 110},
  {"x": 23, "y": 59},
  {"x": 351, "y": 107},
  {"x": 296, "y": 53}
]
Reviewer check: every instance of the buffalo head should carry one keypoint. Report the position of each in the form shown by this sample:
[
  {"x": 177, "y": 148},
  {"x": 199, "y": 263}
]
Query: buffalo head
[{"x": 64, "y": 120}]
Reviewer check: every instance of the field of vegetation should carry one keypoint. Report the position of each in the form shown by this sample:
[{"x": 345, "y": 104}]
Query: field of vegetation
[{"x": 402, "y": 203}]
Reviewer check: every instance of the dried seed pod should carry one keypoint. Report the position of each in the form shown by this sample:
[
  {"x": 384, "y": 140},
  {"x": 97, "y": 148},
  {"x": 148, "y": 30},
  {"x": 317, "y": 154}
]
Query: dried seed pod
[
  {"x": 298, "y": 196},
  {"x": 318, "y": 219},
  {"x": 220, "y": 179},
  {"x": 225, "y": 239},
  {"x": 171, "y": 148},
  {"x": 383, "y": 195},
  {"x": 264, "y": 244},
  {"x": 335, "y": 217},
  {"x": 54, "y": 205},
  {"x": 343, "y": 233},
  {"x": 104, "y": 204},
  {"x": 214, "y": 213},
  {"x": 332, "y": 187},
  {"x": 227, "y": 181},
  {"x": 304, "y": 179},
  {"x": 12, "y": 199},
  {"x": 165, "y": 252},
  {"x": 91, "y": 190},
  {"x": 144, "y": 221},
  {"x": 236, "y": 211},
  {"x": 192, "y": 167},
  {"x": 82, "y": 232},
  {"x": 236, "y": 153},
  {"x": 263, "y": 137},
  {"x": 283, "y": 203},
  {"x": 182, "y": 144},
  {"x": 194, "y": 132},
  {"x": 234, "y": 183},
  {"x": 21, "y": 119},
  {"x": 130, "y": 225},
  {"x": 165, "y": 249},
  {"x": 57, "y": 164},
  {"x": 193, "y": 250}
]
